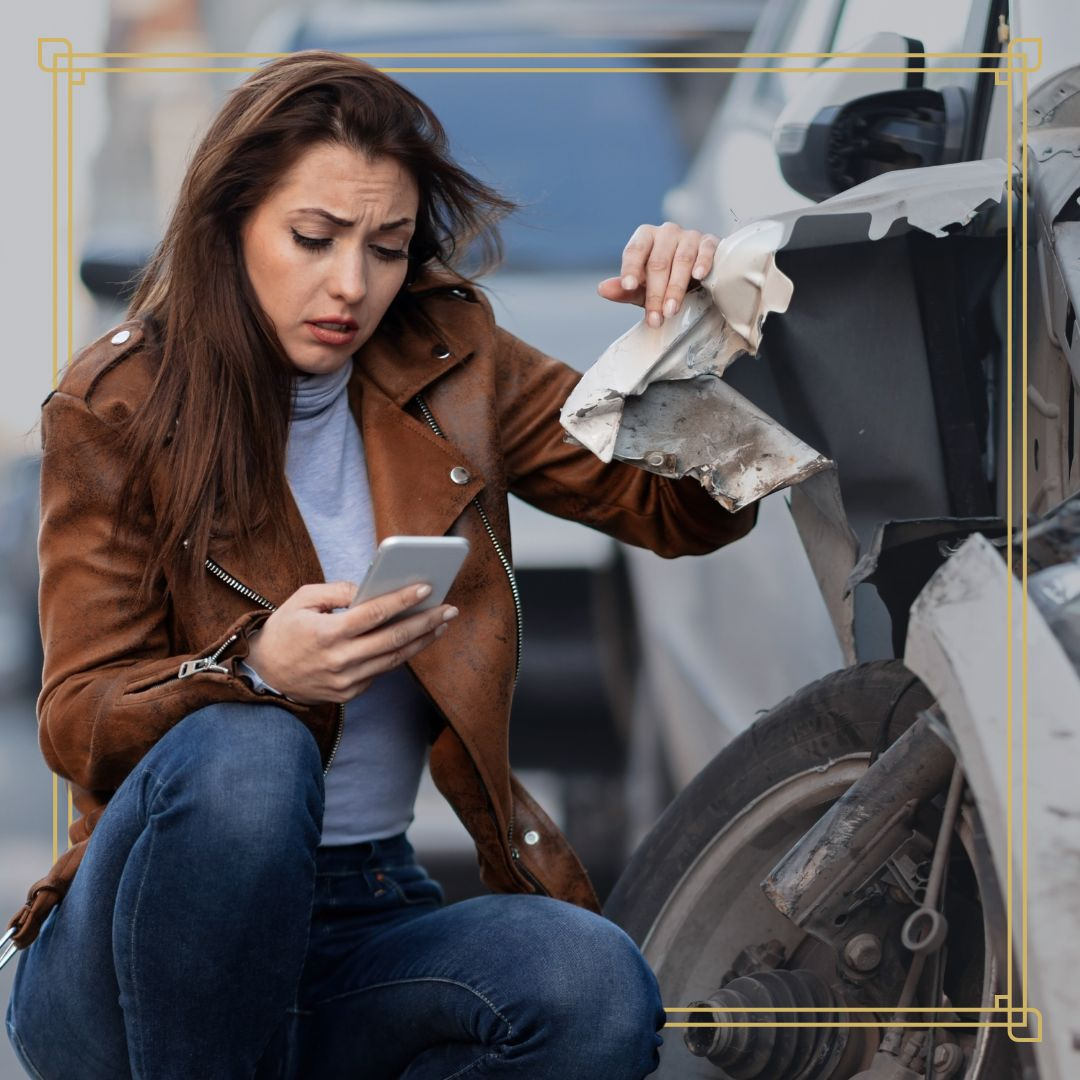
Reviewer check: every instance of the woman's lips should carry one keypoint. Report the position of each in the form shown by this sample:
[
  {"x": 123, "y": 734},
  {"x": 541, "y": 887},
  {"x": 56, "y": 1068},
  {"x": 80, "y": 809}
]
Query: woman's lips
[{"x": 322, "y": 334}]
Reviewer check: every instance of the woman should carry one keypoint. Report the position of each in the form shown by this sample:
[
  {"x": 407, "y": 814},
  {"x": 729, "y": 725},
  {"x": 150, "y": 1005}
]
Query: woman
[{"x": 303, "y": 374}]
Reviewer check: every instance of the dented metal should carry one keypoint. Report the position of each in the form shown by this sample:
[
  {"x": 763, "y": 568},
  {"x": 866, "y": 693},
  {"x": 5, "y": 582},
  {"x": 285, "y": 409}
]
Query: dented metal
[
  {"x": 832, "y": 549},
  {"x": 657, "y": 397},
  {"x": 705, "y": 428},
  {"x": 718, "y": 322},
  {"x": 963, "y": 640},
  {"x": 736, "y": 451}
]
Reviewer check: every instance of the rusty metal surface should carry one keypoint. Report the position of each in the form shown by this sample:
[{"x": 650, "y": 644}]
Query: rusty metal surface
[
  {"x": 819, "y": 879},
  {"x": 721, "y": 320},
  {"x": 704, "y": 428}
]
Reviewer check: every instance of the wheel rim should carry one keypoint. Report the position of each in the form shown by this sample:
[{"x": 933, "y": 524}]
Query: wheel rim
[{"x": 690, "y": 949}]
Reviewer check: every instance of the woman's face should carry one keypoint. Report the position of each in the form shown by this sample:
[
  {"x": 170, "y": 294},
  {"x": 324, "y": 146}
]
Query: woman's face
[{"x": 326, "y": 252}]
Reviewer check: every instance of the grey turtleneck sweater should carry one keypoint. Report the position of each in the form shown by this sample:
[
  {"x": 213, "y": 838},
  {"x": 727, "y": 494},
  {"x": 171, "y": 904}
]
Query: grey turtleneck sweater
[{"x": 371, "y": 788}]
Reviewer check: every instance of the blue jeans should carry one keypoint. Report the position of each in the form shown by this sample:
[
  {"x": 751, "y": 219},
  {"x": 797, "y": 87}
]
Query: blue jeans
[{"x": 206, "y": 935}]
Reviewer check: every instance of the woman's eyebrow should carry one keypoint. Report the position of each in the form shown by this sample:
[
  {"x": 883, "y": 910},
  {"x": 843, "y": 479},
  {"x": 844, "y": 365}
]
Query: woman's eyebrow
[{"x": 344, "y": 223}]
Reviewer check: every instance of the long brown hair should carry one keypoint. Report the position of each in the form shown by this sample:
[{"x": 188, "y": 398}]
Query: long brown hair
[{"x": 216, "y": 419}]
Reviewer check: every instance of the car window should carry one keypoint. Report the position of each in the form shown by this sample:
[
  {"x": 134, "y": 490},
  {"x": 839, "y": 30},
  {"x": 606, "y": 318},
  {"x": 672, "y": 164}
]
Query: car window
[
  {"x": 805, "y": 29},
  {"x": 587, "y": 155},
  {"x": 941, "y": 27},
  {"x": 832, "y": 26}
]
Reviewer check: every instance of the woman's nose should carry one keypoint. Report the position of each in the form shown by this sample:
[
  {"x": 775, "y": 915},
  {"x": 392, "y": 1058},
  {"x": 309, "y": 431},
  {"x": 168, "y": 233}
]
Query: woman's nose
[{"x": 347, "y": 279}]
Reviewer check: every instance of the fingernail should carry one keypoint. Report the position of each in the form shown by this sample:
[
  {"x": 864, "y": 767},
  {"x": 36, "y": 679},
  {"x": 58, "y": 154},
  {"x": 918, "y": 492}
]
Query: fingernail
[
  {"x": 699, "y": 272},
  {"x": 451, "y": 613},
  {"x": 440, "y": 630},
  {"x": 655, "y": 318},
  {"x": 422, "y": 591},
  {"x": 669, "y": 307},
  {"x": 629, "y": 282}
]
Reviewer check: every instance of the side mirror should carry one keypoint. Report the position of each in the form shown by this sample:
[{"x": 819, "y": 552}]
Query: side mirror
[{"x": 830, "y": 138}]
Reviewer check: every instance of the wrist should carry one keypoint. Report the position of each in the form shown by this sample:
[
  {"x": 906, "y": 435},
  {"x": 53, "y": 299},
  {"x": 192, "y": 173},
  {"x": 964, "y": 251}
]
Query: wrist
[
  {"x": 257, "y": 682},
  {"x": 249, "y": 667}
]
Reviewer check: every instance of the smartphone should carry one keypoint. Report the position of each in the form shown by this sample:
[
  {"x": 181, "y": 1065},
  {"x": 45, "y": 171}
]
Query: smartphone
[{"x": 414, "y": 560}]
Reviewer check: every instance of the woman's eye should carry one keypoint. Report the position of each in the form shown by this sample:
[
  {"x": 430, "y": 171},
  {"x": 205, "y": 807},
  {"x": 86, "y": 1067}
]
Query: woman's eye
[
  {"x": 390, "y": 254},
  {"x": 312, "y": 243}
]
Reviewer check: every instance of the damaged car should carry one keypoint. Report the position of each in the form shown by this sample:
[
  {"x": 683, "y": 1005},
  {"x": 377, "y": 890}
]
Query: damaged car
[{"x": 878, "y": 878}]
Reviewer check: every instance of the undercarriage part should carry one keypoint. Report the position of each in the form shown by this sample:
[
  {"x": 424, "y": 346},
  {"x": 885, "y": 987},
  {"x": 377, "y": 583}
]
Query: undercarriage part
[
  {"x": 774, "y": 1053},
  {"x": 887, "y": 1067},
  {"x": 816, "y": 884},
  {"x": 933, "y": 923},
  {"x": 863, "y": 952},
  {"x": 948, "y": 1061},
  {"x": 904, "y": 1062},
  {"x": 766, "y": 956},
  {"x": 691, "y": 897},
  {"x": 924, "y": 931}
]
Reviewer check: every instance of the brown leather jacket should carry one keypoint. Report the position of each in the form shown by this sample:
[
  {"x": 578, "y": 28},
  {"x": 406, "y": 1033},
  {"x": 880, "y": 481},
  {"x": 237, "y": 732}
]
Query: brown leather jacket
[{"x": 112, "y": 678}]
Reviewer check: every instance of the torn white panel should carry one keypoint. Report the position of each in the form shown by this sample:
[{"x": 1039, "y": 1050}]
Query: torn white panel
[
  {"x": 928, "y": 199},
  {"x": 706, "y": 429},
  {"x": 726, "y": 317},
  {"x": 717, "y": 323}
]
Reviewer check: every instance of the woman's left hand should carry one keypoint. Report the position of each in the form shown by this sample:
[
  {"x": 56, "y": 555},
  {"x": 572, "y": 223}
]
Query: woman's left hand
[{"x": 659, "y": 264}]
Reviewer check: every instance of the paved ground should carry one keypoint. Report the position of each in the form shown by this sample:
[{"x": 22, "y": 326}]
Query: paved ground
[{"x": 25, "y": 830}]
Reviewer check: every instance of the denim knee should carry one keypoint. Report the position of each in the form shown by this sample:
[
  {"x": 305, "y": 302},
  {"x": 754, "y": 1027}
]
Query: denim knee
[
  {"x": 592, "y": 982},
  {"x": 251, "y": 771},
  {"x": 611, "y": 974}
]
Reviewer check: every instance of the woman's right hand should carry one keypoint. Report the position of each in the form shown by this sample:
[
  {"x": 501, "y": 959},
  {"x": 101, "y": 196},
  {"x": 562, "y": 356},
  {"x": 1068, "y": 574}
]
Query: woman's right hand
[{"x": 312, "y": 653}]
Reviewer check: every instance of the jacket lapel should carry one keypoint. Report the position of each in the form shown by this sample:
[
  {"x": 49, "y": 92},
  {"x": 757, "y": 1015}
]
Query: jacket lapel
[{"x": 408, "y": 465}]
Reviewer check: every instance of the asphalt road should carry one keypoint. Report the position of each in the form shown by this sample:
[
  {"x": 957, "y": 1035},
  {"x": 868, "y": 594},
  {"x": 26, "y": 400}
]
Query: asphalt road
[{"x": 25, "y": 831}]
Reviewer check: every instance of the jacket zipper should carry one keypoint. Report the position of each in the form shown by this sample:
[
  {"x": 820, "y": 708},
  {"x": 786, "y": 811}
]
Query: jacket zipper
[
  {"x": 506, "y": 564},
  {"x": 206, "y": 663},
  {"x": 209, "y": 663},
  {"x": 515, "y": 854}
]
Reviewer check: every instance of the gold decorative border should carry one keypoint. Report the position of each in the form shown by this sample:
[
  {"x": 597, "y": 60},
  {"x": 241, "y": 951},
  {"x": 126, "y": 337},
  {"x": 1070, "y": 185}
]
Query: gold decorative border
[{"x": 57, "y": 58}]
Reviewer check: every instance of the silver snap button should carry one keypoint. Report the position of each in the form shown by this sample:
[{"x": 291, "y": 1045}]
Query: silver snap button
[
  {"x": 120, "y": 337},
  {"x": 460, "y": 475},
  {"x": 531, "y": 837}
]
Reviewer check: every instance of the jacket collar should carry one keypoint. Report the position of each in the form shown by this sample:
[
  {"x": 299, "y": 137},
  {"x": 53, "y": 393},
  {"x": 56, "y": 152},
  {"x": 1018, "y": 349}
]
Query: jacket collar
[{"x": 405, "y": 355}]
